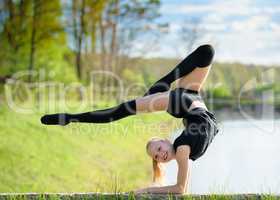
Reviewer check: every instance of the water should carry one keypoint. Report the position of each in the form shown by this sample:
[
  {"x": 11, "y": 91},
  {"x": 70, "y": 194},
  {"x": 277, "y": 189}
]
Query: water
[{"x": 243, "y": 158}]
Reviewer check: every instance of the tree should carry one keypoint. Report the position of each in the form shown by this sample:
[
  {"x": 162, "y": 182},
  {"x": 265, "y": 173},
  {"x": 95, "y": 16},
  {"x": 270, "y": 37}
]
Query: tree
[
  {"x": 14, "y": 30},
  {"x": 30, "y": 32},
  {"x": 121, "y": 23},
  {"x": 85, "y": 15}
]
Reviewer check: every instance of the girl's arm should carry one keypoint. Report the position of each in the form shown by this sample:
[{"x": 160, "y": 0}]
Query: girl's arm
[{"x": 182, "y": 157}]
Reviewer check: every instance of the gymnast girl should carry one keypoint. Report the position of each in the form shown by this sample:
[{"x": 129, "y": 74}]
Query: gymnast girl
[{"x": 183, "y": 102}]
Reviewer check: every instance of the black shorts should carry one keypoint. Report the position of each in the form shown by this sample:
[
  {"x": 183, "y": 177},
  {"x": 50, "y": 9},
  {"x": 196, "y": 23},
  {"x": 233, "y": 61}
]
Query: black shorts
[{"x": 180, "y": 99}]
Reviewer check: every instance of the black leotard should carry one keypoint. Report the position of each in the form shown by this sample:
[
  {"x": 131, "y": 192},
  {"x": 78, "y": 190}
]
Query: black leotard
[{"x": 200, "y": 124}]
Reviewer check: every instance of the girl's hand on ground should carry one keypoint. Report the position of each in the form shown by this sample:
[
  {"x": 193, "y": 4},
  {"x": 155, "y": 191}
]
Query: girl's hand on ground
[{"x": 140, "y": 191}]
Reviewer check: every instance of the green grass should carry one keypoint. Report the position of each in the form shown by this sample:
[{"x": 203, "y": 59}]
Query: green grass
[
  {"x": 131, "y": 196},
  {"x": 78, "y": 157}
]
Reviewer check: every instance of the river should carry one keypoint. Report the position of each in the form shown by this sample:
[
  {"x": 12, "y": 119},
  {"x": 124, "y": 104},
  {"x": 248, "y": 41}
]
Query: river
[{"x": 243, "y": 158}]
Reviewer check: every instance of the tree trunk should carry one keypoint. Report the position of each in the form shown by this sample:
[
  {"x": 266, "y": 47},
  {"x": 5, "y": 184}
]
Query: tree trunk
[
  {"x": 80, "y": 40},
  {"x": 113, "y": 45},
  {"x": 103, "y": 55},
  {"x": 103, "y": 45},
  {"x": 11, "y": 19},
  {"x": 32, "y": 41},
  {"x": 78, "y": 34},
  {"x": 93, "y": 39},
  {"x": 10, "y": 31},
  {"x": 112, "y": 53}
]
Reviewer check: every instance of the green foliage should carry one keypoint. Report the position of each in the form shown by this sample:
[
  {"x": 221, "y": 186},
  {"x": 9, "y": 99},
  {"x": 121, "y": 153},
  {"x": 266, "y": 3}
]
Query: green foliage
[
  {"x": 50, "y": 45},
  {"x": 220, "y": 92},
  {"x": 56, "y": 56},
  {"x": 261, "y": 88},
  {"x": 131, "y": 77}
]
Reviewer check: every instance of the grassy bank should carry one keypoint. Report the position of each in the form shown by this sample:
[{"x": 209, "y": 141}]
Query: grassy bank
[
  {"x": 78, "y": 157},
  {"x": 131, "y": 196}
]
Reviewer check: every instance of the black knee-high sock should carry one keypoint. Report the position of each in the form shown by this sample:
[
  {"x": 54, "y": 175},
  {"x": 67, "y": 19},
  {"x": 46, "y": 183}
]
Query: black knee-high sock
[
  {"x": 201, "y": 57},
  {"x": 100, "y": 116}
]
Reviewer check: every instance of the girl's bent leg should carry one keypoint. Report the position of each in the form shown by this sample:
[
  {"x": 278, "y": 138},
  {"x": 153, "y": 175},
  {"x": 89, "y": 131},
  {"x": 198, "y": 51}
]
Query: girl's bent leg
[
  {"x": 195, "y": 80},
  {"x": 153, "y": 103},
  {"x": 200, "y": 58}
]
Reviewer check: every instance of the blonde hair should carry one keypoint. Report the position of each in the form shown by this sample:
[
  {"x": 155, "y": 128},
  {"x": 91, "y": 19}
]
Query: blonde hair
[{"x": 158, "y": 170}]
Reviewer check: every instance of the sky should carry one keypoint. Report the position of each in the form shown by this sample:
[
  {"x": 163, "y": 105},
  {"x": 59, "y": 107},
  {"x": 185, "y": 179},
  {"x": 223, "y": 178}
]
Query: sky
[{"x": 246, "y": 31}]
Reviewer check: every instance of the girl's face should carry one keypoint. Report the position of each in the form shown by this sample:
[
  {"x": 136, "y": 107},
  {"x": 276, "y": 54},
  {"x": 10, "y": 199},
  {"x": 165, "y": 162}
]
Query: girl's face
[{"x": 161, "y": 150}]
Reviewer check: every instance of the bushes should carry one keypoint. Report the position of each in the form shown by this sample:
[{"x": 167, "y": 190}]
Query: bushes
[{"x": 220, "y": 92}]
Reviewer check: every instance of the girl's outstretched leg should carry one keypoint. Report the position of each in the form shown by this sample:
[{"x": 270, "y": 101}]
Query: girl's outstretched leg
[
  {"x": 201, "y": 57},
  {"x": 100, "y": 116},
  {"x": 150, "y": 103}
]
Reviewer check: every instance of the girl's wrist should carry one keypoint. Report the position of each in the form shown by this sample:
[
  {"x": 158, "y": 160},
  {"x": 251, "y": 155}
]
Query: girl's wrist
[{"x": 147, "y": 190}]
